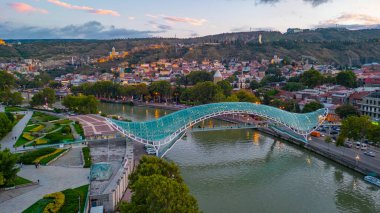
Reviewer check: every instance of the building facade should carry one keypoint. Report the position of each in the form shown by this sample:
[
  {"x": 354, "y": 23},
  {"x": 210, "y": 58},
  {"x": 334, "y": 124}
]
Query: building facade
[{"x": 370, "y": 106}]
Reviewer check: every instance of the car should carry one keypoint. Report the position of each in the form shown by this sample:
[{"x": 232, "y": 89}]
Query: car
[
  {"x": 334, "y": 133},
  {"x": 348, "y": 144},
  {"x": 150, "y": 151},
  {"x": 357, "y": 145},
  {"x": 370, "y": 153},
  {"x": 363, "y": 146}
]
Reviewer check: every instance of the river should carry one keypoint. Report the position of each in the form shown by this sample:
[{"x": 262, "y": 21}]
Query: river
[{"x": 248, "y": 171}]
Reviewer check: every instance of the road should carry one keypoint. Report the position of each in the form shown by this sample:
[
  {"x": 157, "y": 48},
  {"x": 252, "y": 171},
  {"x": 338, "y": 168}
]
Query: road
[
  {"x": 349, "y": 154},
  {"x": 8, "y": 141}
]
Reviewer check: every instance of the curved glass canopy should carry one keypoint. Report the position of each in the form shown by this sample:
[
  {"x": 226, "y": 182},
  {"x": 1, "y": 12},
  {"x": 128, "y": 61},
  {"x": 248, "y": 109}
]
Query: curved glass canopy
[{"x": 169, "y": 126}]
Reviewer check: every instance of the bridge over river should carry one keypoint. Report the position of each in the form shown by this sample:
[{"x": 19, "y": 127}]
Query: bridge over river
[{"x": 164, "y": 132}]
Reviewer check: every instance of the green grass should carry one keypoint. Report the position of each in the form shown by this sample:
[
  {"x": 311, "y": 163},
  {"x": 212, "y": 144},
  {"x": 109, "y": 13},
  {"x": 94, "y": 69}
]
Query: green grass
[
  {"x": 18, "y": 181},
  {"x": 71, "y": 201},
  {"x": 79, "y": 129},
  {"x": 29, "y": 157},
  {"x": 42, "y": 117},
  {"x": 38, "y": 206},
  {"x": 50, "y": 158},
  {"x": 21, "y": 141},
  {"x": 28, "y": 128},
  {"x": 64, "y": 121},
  {"x": 87, "y": 157},
  {"x": 14, "y": 109}
]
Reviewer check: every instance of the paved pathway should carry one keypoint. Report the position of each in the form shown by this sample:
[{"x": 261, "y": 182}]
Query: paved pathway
[
  {"x": 2, "y": 108},
  {"x": 52, "y": 179},
  {"x": 8, "y": 141},
  {"x": 73, "y": 158}
]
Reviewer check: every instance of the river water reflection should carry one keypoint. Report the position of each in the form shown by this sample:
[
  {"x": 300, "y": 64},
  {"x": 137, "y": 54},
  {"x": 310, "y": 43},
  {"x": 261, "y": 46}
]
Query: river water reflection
[{"x": 247, "y": 171}]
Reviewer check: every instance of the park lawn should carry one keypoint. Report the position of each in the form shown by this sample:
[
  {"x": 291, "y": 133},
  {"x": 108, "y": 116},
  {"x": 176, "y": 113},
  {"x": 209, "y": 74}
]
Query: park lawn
[
  {"x": 14, "y": 109},
  {"x": 64, "y": 121},
  {"x": 47, "y": 159},
  {"x": 18, "y": 181},
  {"x": 70, "y": 205},
  {"x": 38, "y": 128},
  {"x": 30, "y": 156},
  {"x": 30, "y": 127},
  {"x": 42, "y": 117},
  {"x": 79, "y": 129},
  {"x": 21, "y": 141}
]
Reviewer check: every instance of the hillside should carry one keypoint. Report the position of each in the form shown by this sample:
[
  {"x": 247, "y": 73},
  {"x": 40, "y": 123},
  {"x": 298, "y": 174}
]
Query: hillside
[{"x": 337, "y": 46}]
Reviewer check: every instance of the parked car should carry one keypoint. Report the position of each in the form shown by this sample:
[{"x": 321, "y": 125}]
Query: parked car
[
  {"x": 363, "y": 146},
  {"x": 357, "y": 145},
  {"x": 348, "y": 144},
  {"x": 370, "y": 153},
  {"x": 334, "y": 133}
]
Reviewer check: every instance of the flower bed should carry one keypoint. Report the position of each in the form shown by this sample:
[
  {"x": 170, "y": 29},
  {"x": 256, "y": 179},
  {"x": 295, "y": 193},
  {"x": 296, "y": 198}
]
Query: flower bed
[
  {"x": 38, "y": 128},
  {"x": 27, "y": 136},
  {"x": 39, "y": 159},
  {"x": 59, "y": 200},
  {"x": 40, "y": 141},
  {"x": 29, "y": 157}
]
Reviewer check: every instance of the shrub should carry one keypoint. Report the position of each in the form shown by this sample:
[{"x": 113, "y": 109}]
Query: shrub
[
  {"x": 29, "y": 157},
  {"x": 59, "y": 200},
  {"x": 27, "y": 136},
  {"x": 87, "y": 157},
  {"x": 38, "y": 128},
  {"x": 37, "y": 160}
]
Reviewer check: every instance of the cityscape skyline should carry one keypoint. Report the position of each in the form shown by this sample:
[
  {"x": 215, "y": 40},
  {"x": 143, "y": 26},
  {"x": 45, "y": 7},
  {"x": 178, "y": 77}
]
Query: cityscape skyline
[{"x": 104, "y": 20}]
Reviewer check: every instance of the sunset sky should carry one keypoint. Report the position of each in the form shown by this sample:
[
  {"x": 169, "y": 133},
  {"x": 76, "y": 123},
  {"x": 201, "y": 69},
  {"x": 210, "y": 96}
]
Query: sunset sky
[{"x": 106, "y": 19}]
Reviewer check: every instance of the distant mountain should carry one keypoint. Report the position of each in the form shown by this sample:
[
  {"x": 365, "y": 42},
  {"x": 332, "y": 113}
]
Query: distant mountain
[{"x": 327, "y": 45}]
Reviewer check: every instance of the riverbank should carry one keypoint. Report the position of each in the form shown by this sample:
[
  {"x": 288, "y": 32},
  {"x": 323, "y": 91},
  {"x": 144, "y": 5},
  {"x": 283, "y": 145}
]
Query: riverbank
[{"x": 342, "y": 155}]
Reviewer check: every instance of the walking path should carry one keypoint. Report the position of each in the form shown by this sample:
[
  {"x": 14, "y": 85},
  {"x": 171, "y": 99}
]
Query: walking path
[
  {"x": 8, "y": 141},
  {"x": 72, "y": 158},
  {"x": 52, "y": 179}
]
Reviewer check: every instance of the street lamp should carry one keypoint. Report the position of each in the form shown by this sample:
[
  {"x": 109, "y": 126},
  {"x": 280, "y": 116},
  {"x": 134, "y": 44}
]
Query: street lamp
[
  {"x": 357, "y": 158},
  {"x": 79, "y": 204}
]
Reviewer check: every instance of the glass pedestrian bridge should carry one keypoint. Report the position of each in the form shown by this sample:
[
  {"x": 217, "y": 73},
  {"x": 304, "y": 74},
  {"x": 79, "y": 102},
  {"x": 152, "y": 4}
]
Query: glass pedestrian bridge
[{"x": 170, "y": 128}]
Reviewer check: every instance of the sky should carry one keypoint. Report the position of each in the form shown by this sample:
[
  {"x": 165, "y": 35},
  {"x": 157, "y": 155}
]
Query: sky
[{"x": 109, "y": 19}]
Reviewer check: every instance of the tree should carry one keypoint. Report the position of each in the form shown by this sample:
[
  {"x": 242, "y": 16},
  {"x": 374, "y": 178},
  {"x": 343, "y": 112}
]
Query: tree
[
  {"x": 346, "y": 78},
  {"x": 312, "y": 106},
  {"x": 254, "y": 85},
  {"x": 161, "y": 89},
  {"x": 293, "y": 86},
  {"x": 226, "y": 87},
  {"x": 8, "y": 169},
  {"x": 199, "y": 76},
  {"x": 150, "y": 165},
  {"x": 232, "y": 98},
  {"x": 157, "y": 193},
  {"x": 347, "y": 110},
  {"x": 204, "y": 92},
  {"x": 245, "y": 96},
  {"x": 157, "y": 186},
  {"x": 81, "y": 104},
  {"x": 5, "y": 125},
  {"x": 311, "y": 78},
  {"x": 7, "y": 81},
  {"x": 374, "y": 133},
  {"x": 46, "y": 95},
  {"x": 354, "y": 127}
]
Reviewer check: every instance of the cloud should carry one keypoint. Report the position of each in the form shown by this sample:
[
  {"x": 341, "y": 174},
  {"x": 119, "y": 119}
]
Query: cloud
[
  {"x": 89, "y": 30},
  {"x": 352, "y": 21},
  {"x": 84, "y": 8},
  {"x": 253, "y": 29},
  {"x": 314, "y": 3},
  {"x": 160, "y": 26},
  {"x": 26, "y": 8},
  {"x": 131, "y": 18},
  {"x": 350, "y": 18},
  {"x": 192, "y": 21}
]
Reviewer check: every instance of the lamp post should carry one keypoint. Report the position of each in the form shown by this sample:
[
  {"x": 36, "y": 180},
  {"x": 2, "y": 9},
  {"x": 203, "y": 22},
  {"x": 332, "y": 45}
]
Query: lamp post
[
  {"x": 79, "y": 204},
  {"x": 357, "y": 158}
]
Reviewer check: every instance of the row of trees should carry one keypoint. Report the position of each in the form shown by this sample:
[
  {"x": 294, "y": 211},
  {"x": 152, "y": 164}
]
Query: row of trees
[
  {"x": 157, "y": 186},
  {"x": 8, "y": 169},
  {"x": 358, "y": 128},
  {"x": 45, "y": 96},
  {"x": 7, "y": 83},
  {"x": 313, "y": 78},
  {"x": 162, "y": 91}
]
